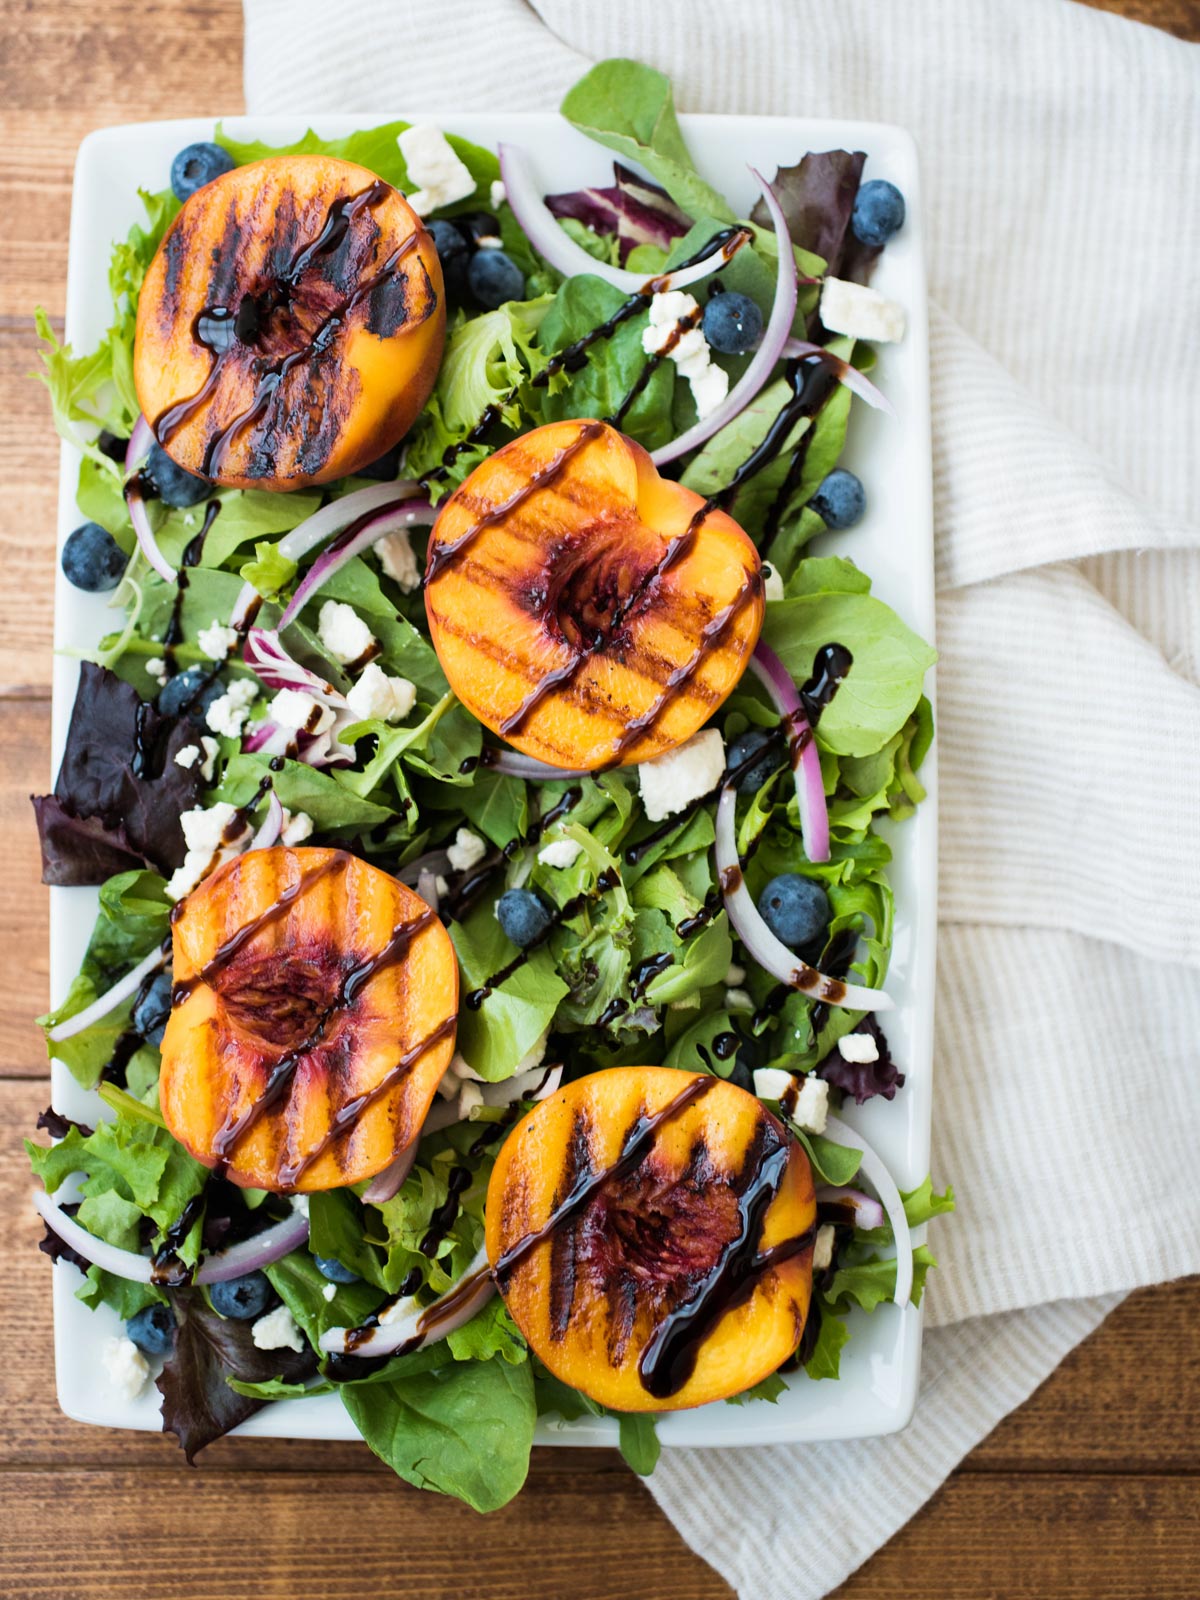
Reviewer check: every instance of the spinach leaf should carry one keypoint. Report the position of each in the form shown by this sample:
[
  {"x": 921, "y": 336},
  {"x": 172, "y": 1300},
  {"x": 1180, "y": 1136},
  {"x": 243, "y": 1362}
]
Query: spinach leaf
[{"x": 638, "y": 1441}]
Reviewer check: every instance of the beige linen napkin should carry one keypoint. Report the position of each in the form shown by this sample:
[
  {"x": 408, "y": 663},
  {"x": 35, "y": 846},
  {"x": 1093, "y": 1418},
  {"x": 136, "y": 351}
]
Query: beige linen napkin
[{"x": 1061, "y": 170}]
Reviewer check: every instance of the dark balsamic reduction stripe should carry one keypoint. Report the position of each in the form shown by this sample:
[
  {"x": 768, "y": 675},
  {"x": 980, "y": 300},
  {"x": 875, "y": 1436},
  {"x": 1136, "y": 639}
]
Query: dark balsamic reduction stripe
[{"x": 166, "y": 1269}]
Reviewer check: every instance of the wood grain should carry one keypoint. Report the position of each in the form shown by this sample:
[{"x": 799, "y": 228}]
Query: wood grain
[{"x": 1091, "y": 1490}]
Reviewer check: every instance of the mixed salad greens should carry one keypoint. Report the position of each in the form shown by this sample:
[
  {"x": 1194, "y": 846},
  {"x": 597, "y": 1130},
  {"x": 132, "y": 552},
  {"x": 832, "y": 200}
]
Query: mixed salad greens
[{"x": 648, "y": 972}]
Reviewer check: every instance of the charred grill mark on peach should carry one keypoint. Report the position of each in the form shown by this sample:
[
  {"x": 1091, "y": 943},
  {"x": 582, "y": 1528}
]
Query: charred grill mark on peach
[{"x": 577, "y": 1167}]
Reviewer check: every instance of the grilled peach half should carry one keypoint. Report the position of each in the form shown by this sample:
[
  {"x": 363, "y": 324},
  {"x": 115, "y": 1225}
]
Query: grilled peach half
[
  {"x": 314, "y": 1013},
  {"x": 651, "y": 1232},
  {"x": 586, "y": 609},
  {"x": 290, "y": 327}
]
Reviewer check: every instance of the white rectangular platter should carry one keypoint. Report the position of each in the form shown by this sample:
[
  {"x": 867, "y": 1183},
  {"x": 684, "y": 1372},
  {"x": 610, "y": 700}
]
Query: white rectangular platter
[{"x": 893, "y": 544}]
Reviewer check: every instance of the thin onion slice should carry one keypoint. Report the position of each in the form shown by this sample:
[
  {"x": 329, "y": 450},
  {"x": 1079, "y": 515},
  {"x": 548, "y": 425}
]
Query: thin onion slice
[
  {"x": 386, "y": 1184},
  {"x": 358, "y": 536},
  {"x": 103, "y": 1004},
  {"x": 802, "y": 744},
  {"x": 534, "y": 1085},
  {"x": 771, "y": 953},
  {"x": 513, "y": 765},
  {"x": 260, "y": 1251},
  {"x": 271, "y": 826},
  {"x": 884, "y": 1185},
  {"x": 865, "y": 1209},
  {"x": 857, "y": 382},
  {"x": 323, "y": 524},
  {"x": 140, "y": 441},
  {"x": 435, "y": 861},
  {"x": 406, "y": 1322},
  {"x": 775, "y": 336},
  {"x": 428, "y": 890},
  {"x": 265, "y": 655},
  {"x": 542, "y": 229}
]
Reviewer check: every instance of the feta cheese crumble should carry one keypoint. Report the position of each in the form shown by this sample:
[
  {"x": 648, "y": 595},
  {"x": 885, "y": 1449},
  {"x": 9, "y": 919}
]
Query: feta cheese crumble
[
  {"x": 861, "y": 313},
  {"x": 297, "y": 826},
  {"x": 673, "y": 332},
  {"x": 738, "y": 1000},
  {"x": 432, "y": 164},
  {"x": 217, "y": 640},
  {"x": 859, "y": 1048},
  {"x": 560, "y": 853},
  {"x": 772, "y": 1083},
  {"x": 735, "y": 977},
  {"x": 344, "y": 633},
  {"x": 397, "y": 559},
  {"x": 467, "y": 851},
  {"x": 204, "y": 835},
  {"x": 498, "y": 194},
  {"x": 670, "y": 782},
  {"x": 211, "y": 751},
  {"x": 772, "y": 583},
  {"x": 156, "y": 668},
  {"x": 187, "y": 757},
  {"x": 376, "y": 695},
  {"x": 229, "y": 711},
  {"x": 823, "y": 1247},
  {"x": 126, "y": 1367},
  {"x": 328, "y": 1292},
  {"x": 295, "y": 710},
  {"x": 812, "y": 1105},
  {"x": 277, "y": 1331}
]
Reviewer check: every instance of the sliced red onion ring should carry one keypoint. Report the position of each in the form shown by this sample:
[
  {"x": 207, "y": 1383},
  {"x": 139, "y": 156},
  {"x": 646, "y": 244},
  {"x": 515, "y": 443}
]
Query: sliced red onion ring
[
  {"x": 857, "y": 382},
  {"x": 427, "y": 888},
  {"x": 536, "y": 1084},
  {"x": 358, "y": 536},
  {"x": 260, "y": 1251},
  {"x": 514, "y": 765},
  {"x": 103, "y": 1004},
  {"x": 771, "y": 953},
  {"x": 775, "y": 336},
  {"x": 802, "y": 747},
  {"x": 330, "y": 519},
  {"x": 435, "y": 861},
  {"x": 881, "y": 1180},
  {"x": 406, "y": 1322},
  {"x": 267, "y": 738},
  {"x": 541, "y": 228},
  {"x": 865, "y": 1209},
  {"x": 271, "y": 825},
  {"x": 140, "y": 441},
  {"x": 386, "y": 1184},
  {"x": 266, "y": 657}
]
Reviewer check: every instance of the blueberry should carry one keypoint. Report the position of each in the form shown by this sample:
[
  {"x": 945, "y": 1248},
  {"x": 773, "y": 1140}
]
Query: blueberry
[
  {"x": 242, "y": 1298},
  {"x": 840, "y": 500},
  {"x": 453, "y": 253},
  {"x": 329, "y": 1267},
  {"x": 742, "y": 1071},
  {"x": 796, "y": 909},
  {"x": 476, "y": 225},
  {"x": 191, "y": 690},
  {"x": 878, "y": 213},
  {"x": 152, "y": 1008},
  {"x": 493, "y": 278},
  {"x": 152, "y": 1330},
  {"x": 196, "y": 165},
  {"x": 175, "y": 487},
  {"x": 743, "y": 748},
  {"x": 731, "y": 323},
  {"x": 523, "y": 915},
  {"x": 92, "y": 559}
]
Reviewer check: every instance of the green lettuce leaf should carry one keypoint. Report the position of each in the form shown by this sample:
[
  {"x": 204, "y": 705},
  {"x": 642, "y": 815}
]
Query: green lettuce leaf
[{"x": 638, "y": 1441}]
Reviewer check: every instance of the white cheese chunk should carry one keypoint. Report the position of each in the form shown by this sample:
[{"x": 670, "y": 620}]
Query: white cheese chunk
[
  {"x": 861, "y": 313},
  {"x": 812, "y": 1105},
  {"x": 686, "y": 347},
  {"x": 670, "y": 782},
  {"x": 738, "y": 1000},
  {"x": 204, "y": 835},
  {"x": 735, "y": 977},
  {"x": 823, "y": 1247},
  {"x": 277, "y": 1331},
  {"x": 126, "y": 1367},
  {"x": 467, "y": 851},
  {"x": 560, "y": 853},
  {"x": 328, "y": 1292},
  {"x": 397, "y": 559},
  {"x": 378, "y": 696},
  {"x": 858, "y": 1047},
  {"x": 300, "y": 1203},
  {"x": 344, "y": 633},
  {"x": 772, "y": 1083},
  {"x": 296, "y": 711},
  {"x": 187, "y": 757},
  {"x": 156, "y": 668},
  {"x": 497, "y": 195},
  {"x": 217, "y": 640},
  {"x": 433, "y": 165},
  {"x": 297, "y": 826},
  {"x": 228, "y": 712},
  {"x": 772, "y": 584},
  {"x": 211, "y": 751}
]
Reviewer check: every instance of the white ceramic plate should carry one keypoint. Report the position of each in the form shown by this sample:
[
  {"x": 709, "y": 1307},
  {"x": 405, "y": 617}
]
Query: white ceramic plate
[{"x": 894, "y": 544}]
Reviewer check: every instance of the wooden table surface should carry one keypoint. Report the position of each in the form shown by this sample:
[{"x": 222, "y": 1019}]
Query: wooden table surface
[{"x": 1091, "y": 1490}]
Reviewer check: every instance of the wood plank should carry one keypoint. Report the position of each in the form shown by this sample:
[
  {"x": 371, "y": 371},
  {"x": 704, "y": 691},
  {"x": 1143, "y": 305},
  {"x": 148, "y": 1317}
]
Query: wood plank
[{"x": 24, "y": 903}]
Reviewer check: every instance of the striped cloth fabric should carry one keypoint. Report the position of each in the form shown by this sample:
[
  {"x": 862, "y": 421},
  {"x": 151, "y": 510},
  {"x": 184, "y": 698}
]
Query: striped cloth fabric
[{"x": 1061, "y": 156}]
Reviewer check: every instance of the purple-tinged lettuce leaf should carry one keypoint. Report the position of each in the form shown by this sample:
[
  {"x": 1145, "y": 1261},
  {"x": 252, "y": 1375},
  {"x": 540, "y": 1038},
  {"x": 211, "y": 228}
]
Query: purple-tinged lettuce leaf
[
  {"x": 634, "y": 209},
  {"x": 817, "y": 198},
  {"x": 198, "y": 1405},
  {"x": 863, "y": 1079},
  {"x": 119, "y": 795}
]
